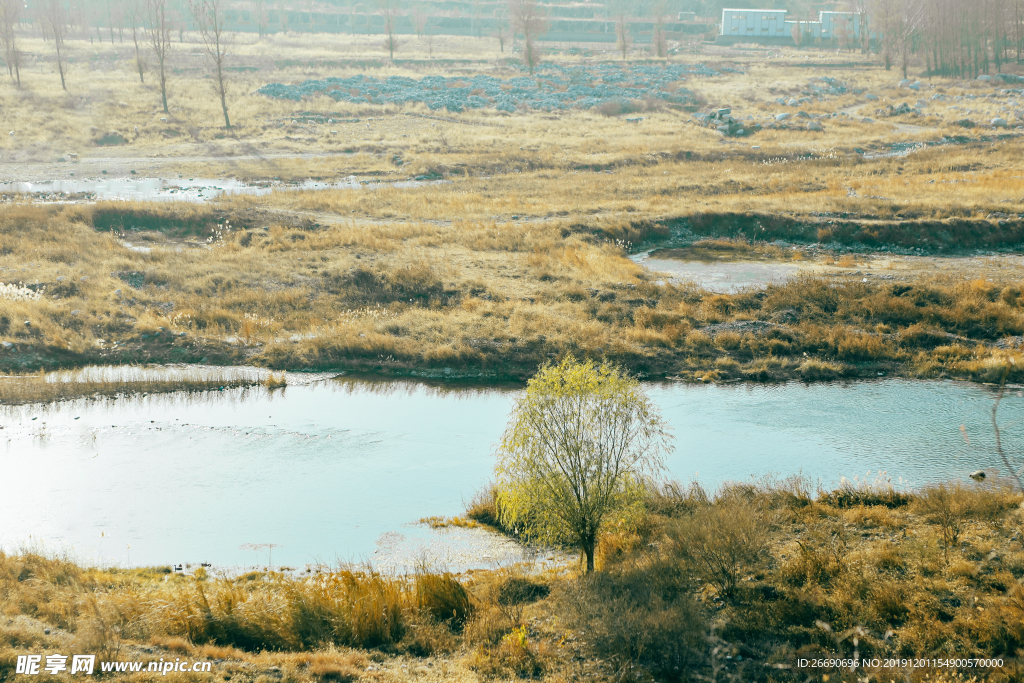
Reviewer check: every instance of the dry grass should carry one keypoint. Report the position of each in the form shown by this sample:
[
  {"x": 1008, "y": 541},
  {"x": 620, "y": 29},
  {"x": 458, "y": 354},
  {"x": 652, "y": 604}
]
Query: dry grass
[
  {"x": 521, "y": 255},
  {"x": 778, "y": 573},
  {"x": 484, "y": 298}
]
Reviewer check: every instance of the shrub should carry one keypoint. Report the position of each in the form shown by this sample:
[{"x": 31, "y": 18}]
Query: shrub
[
  {"x": 638, "y": 616},
  {"x": 443, "y": 598},
  {"x": 722, "y": 540}
]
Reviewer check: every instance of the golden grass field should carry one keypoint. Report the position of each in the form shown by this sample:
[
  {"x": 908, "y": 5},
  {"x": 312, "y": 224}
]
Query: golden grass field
[
  {"x": 742, "y": 584},
  {"x": 519, "y": 254},
  {"x": 909, "y": 265}
]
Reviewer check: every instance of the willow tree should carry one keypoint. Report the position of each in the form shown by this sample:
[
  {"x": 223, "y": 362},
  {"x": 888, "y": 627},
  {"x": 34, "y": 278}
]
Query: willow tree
[{"x": 575, "y": 455}]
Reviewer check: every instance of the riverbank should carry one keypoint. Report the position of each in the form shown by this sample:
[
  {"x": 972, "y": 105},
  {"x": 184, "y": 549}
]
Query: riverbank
[
  {"x": 865, "y": 569},
  {"x": 137, "y": 284}
]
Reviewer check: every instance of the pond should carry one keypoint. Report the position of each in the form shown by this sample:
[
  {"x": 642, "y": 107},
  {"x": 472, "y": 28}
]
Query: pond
[
  {"x": 345, "y": 468},
  {"x": 725, "y": 277},
  {"x": 183, "y": 189}
]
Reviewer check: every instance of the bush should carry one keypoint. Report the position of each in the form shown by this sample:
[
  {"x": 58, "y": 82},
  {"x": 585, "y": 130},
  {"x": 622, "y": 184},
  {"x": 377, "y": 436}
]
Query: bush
[
  {"x": 639, "y": 616},
  {"x": 443, "y": 598},
  {"x": 722, "y": 540}
]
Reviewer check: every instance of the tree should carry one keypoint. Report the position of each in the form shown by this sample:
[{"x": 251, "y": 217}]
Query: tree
[
  {"x": 501, "y": 27},
  {"x": 658, "y": 41},
  {"x": 135, "y": 20},
  {"x": 576, "y": 452},
  {"x": 160, "y": 41},
  {"x": 622, "y": 37},
  {"x": 259, "y": 10},
  {"x": 389, "y": 12},
  {"x": 528, "y": 18},
  {"x": 10, "y": 17},
  {"x": 53, "y": 15},
  {"x": 209, "y": 15}
]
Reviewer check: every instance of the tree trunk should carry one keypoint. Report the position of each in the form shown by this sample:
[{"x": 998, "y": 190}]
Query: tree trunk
[{"x": 588, "y": 550}]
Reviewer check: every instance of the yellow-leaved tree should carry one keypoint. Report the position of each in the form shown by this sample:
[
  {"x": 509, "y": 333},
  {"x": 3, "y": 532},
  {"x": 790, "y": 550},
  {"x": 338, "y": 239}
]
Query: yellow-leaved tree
[{"x": 577, "y": 450}]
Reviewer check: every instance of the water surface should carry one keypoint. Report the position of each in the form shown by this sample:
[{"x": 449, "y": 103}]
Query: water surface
[{"x": 335, "y": 469}]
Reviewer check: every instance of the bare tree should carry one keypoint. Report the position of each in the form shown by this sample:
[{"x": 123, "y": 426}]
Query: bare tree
[
  {"x": 622, "y": 37},
  {"x": 209, "y": 15},
  {"x": 529, "y": 19},
  {"x": 135, "y": 20},
  {"x": 54, "y": 18},
  {"x": 419, "y": 22},
  {"x": 389, "y": 12},
  {"x": 259, "y": 9},
  {"x": 658, "y": 41},
  {"x": 501, "y": 27},
  {"x": 160, "y": 41},
  {"x": 10, "y": 17}
]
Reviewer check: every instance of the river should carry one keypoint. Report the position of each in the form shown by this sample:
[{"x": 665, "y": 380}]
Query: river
[{"x": 343, "y": 469}]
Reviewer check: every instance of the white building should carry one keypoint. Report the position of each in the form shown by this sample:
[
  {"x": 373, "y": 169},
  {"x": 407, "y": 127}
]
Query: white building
[
  {"x": 754, "y": 23},
  {"x": 759, "y": 24}
]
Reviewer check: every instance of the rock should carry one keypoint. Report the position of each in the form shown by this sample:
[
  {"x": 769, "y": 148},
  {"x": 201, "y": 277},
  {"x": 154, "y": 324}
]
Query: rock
[
  {"x": 984, "y": 78},
  {"x": 998, "y": 122},
  {"x": 61, "y": 278},
  {"x": 83, "y": 278},
  {"x": 904, "y": 83},
  {"x": 28, "y": 323},
  {"x": 791, "y": 102},
  {"x": 117, "y": 292},
  {"x": 76, "y": 312},
  {"x": 814, "y": 125},
  {"x": 724, "y": 112},
  {"x": 803, "y": 115},
  {"x": 7, "y": 344},
  {"x": 782, "y": 117},
  {"x": 867, "y": 120},
  {"x": 46, "y": 631},
  {"x": 977, "y": 475}
]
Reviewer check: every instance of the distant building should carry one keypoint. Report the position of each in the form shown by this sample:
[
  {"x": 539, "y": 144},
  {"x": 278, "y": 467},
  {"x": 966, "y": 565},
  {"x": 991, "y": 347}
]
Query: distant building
[
  {"x": 773, "y": 26},
  {"x": 754, "y": 23}
]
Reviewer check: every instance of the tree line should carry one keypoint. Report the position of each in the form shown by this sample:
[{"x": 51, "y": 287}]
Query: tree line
[
  {"x": 148, "y": 23},
  {"x": 958, "y": 38}
]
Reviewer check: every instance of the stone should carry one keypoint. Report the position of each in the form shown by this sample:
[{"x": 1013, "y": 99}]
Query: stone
[
  {"x": 984, "y": 78},
  {"x": 814, "y": 125},
  {"x": 7, "y": 344},
  {"x": 117, "y": 292},
  {"x": 724, "y": 112},
  {"x": 872, "y": 97},
  {"x": 867, "y": 120},
  {"x": 61, "y": 278},
  {"x": 803, "y": 115},
  {"x": 904, "y": 83},
  {"x": 782, "y": 117},
  {"x": 998, "y": 122},
  {"x": 914, "y": 86},
  {"x": 76, "y": 312},
  {"x": 977, "y": 475}
]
